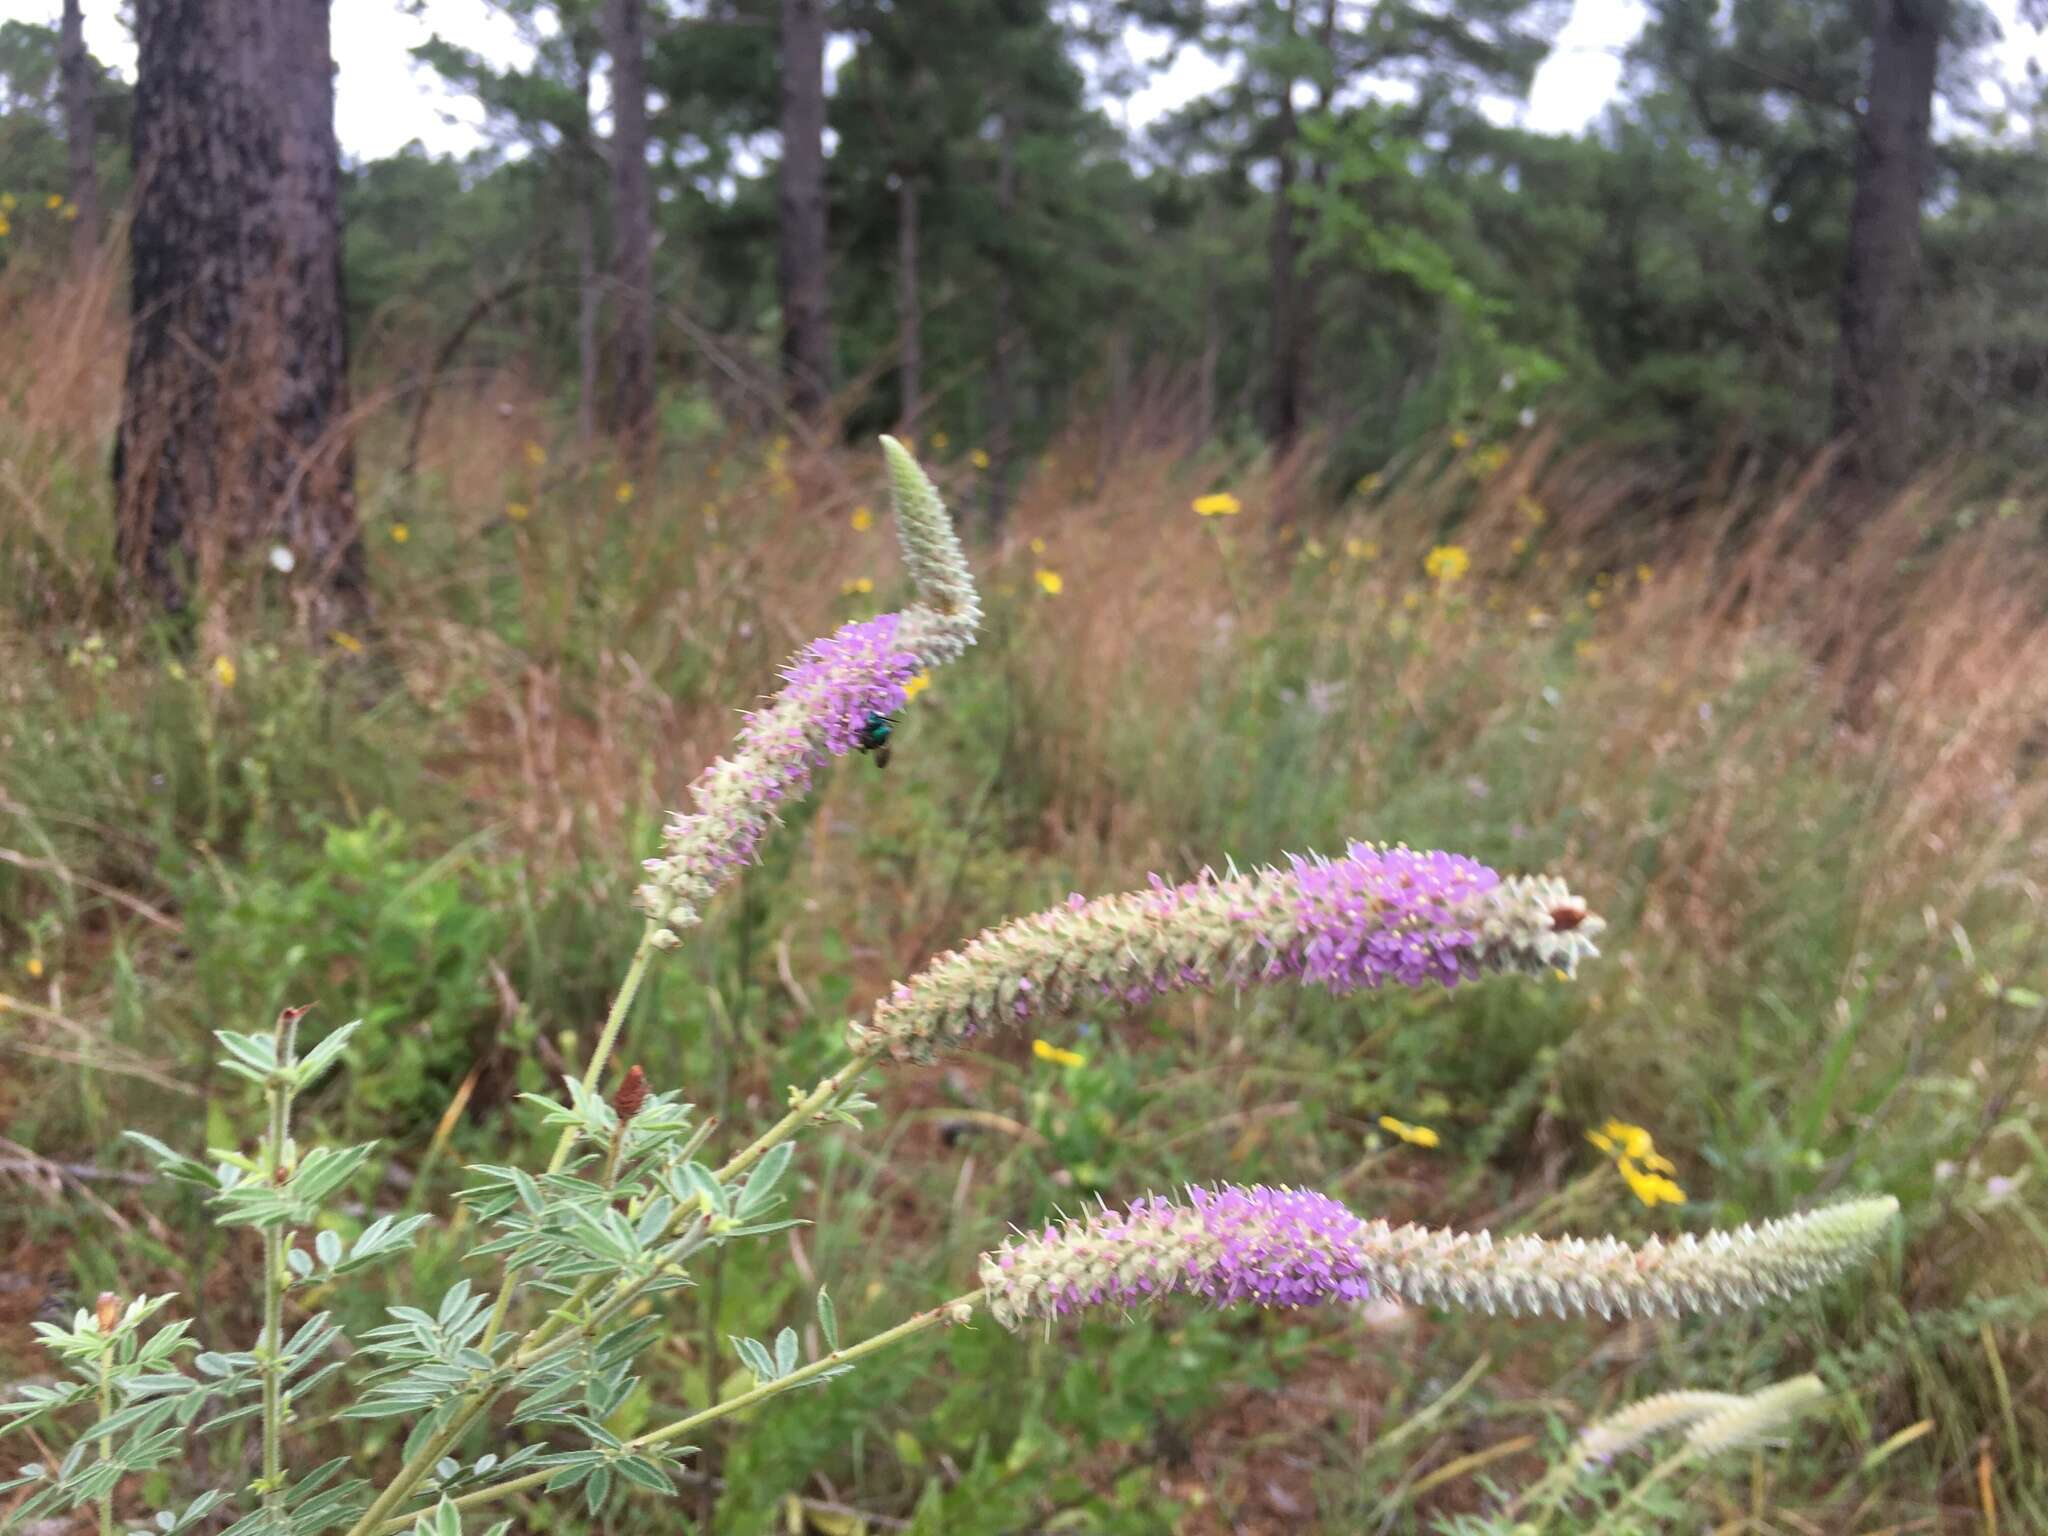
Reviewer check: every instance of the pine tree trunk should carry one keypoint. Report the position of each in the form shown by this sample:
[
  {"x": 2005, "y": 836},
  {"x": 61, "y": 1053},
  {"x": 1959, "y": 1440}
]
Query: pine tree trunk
[
  {"x": 632, "y": 233},
  {"x": 1875, "y": 389},
  {"x": 1002, "y": 411},
  {"x": 235, "y": 433},
  {"x": 806, "y": 315},
  {"x": 1284, "y": 406},
  {"x": 75, "y": 68},
  {"x": 909, "y": 305},
  {"x": 586, "y": 317}
]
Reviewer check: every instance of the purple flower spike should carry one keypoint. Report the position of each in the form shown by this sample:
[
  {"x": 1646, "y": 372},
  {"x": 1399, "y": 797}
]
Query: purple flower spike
[
  {"x": 1376, "y": 917},
  {"x": 1296, "y": 1248}
]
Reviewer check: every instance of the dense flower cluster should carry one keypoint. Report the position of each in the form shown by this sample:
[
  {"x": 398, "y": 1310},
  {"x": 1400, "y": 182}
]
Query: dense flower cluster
[
  {"x": 1375, "y": 917},
  {"x": 1290, "y": 1248},
  {"x": 830, "y": 689}
]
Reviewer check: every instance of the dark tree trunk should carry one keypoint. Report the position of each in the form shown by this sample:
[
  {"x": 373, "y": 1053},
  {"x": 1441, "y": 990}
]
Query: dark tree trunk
[
  {"x": 632, "y": 232},
  {"x": 801, "y": 248},
  {"x": 78, "y": 86},
  {"x": 235, "y": 429},
  {"x": 1284, "y": 406},
  {"x": 586, "y": 318},
  {"x": 1875, "y": 395},
  {"x": 1002, "y": 412},
  {"x": 909, "y": 304}
]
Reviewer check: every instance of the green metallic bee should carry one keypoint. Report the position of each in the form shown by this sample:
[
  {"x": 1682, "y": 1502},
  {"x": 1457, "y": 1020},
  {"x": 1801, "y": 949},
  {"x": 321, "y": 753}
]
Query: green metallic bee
[{"x": 874, "y": 737}]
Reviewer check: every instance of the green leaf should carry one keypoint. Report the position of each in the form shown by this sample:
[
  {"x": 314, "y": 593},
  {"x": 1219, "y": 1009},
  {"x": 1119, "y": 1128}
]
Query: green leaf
[{"x": 828, "y": 1319}]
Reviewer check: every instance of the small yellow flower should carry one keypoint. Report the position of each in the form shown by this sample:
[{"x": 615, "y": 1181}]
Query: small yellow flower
[
  {"x": 1650, "y": 1188},
  {"x": 6, "y": 202},
  {"x": 35, "y": 965},
  {"x": 1414, "y": 1135},
  {"x": 1446, "y": 563},
  {"x": 916, "y": 685},
  {"x": 1538, "y": 618},
  {"x": 536, "y": 455},
  {"x": 978, "y": 458},
  {"x": 346, "y": 641},
  {"x": 1313, "y": 549},
  {"x": 1049, "y": 582},
  {"x": 1362, "y": 549},
  {"x": 1644, "y": 575},
  {"x": 1595, "y": 598},
  {"x": 1038, "y": 546},
  {"x": 1532, "y": 509},
  {"x": 1518, "y": 545},
  {"x": 54, "y": 201},
  {"x": 859, "y": 586},
  {"x": 1461, "y": 440},
  {"x": 518, "y": 511},
  {"x": 6, "y": 228},
  {"x": 224, "y": 671},
  {"x": 940, "y": 442},
  {"x": 1045, "y": 1050},
  {"x": 1488, "y": 461},
  {"x": 624, "y": 493},
  {"x": 1219, "y": 504},
  {"x": 862, "y": 519},
  {"x": 1369, "y": 483},
  {"x": 68, "y": 212}
]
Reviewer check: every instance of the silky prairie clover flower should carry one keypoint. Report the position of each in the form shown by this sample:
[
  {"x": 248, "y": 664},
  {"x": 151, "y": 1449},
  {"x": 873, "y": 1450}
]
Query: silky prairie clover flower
[
  {"x": 1294, "y": 1248},
  {"x": 1375, "y": 917},
  {"x": 830, "y": 688}
]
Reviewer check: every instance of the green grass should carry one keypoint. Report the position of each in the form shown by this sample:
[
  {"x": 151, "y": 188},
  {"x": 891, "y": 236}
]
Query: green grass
[{"x": 1823, "y": 975}]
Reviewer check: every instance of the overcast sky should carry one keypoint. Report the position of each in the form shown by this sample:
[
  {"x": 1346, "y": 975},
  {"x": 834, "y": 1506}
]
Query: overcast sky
[{"x": 383, "y": 100}]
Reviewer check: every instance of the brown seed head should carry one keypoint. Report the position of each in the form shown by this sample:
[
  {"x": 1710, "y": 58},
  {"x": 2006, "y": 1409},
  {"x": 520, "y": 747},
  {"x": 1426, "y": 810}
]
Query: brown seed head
[
  {"x": 107, "y": 1311},
  {"x": 632, "y": 1094}
]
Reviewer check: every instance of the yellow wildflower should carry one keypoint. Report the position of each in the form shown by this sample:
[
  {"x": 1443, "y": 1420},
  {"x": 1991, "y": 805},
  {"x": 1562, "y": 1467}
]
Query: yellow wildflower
[
  {"x": 6, "y": 228},
  {"x": 6, "y": 202},
  {"x": 862, "y": 519},
  {"x": 916, "y": 685},
  {"x": 1045, "y": 1050},
  {"x": 68, "y": 212},
  {"x": 224, "y": 671},
  {"x": 1446, "y": 563},
  {"x": 1538, "y": 618},
  {"x": 860, "y": 585},
  {"x": 1461, "y": 440},
  {"x": 1414, "y": 1135},
  {"x": 624, "y": 493},
  {"x": 536, "y": 455},
  {"x": 940, "y": 442},
  {"x": 400, "y": 533},
  {"x": 1313, "y": 549},
  {"x": 1038, "y": 546},
  {"x": 1650, "y": 1188},
  {"x": 1489, "y": 460},
  {"x": 1361, "y": 549},
  {"x": 1367, "y": 484},
  {"x": 1595, "y": 598},
  {"x": 1644, "y": 575},
  {"x": 518, "y": 511},
  {"x": 1645, "y": 1171},
  {"x": 1220, "y": 504},
  {"x": 346, "y": 641},
  {"x": 1532, "y": 509},
  {"x": 1049, "y": 582},
  {"x": 1518, "y": 545},
  {"x": 35, "y": 965},
  {"x": 978, "y": 458},
  {"x": 54, "y": 201}
]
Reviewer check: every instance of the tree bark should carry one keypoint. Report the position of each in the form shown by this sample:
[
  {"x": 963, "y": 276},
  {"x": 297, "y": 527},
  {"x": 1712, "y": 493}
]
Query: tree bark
[
  {"x": 632, "y": 233},
  {"x": 909, "y": 305},
  {"x": 801, "y": 248},
  {"x": 1002, "y": 375},
  {"x": 1875, "y": 402},
  {"x": 235, "y": 431},
  {"x": 76, "y": 71},
  {"x": 1289, "y": 357}
]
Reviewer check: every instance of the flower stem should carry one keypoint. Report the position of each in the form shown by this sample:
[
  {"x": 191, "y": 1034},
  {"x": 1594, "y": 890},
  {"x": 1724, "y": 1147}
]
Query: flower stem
[
  {"x": 107, "y": 1442},
  {"x": 922, "y": 1322},
  {"x": 275, "y": 1275}
]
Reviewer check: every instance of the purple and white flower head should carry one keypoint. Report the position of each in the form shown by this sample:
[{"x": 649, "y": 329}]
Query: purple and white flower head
[
  {"x": 1293, "y": 1248},
  {"x": 1375, "y": 917},
  {"x": 829, "y": 690}
]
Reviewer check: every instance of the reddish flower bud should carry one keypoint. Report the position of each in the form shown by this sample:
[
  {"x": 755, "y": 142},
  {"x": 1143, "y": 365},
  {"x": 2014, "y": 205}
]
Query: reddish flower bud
[{"x": 632, "y": 1094}]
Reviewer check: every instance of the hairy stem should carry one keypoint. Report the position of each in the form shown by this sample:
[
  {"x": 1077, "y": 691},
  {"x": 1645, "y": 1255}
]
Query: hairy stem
[
  {"x": 275, "y": 1275},
  {"x": 922, "y": 1322},
  {"x": 107, "y": 1442}
]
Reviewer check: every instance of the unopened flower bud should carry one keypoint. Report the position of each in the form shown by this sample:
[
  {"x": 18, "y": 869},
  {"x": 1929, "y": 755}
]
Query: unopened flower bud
[
  {"x": 107, "y": 1311},
  {"x": 632, "y": 1094}
]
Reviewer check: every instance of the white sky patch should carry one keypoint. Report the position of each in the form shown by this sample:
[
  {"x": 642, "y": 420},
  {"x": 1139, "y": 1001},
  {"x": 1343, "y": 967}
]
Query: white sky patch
[{"x": 384, "y": 100}]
